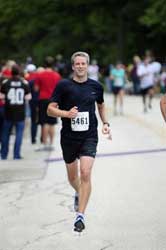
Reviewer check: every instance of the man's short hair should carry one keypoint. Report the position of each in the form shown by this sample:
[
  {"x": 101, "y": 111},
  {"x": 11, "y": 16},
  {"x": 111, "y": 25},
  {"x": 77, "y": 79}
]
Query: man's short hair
[{"x": 80, "y": 53}]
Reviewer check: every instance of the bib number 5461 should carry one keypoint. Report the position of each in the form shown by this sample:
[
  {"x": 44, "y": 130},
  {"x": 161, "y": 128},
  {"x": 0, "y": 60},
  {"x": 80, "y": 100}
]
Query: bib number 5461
[{"x": 80, "y": 122}]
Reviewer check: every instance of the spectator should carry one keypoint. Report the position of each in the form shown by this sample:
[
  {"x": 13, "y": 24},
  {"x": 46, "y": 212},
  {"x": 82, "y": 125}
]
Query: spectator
[
  {"x": 15, "y": 91},
  {"x": 45, "y": 83},
  {"x": 6, "y": 69},
  {"x": 146, "y": 71},
  {"x": 118, "y": 77},
  {"x": 33, "y": 103},
  {"x": 93, "y": 70},
  {"x": 134, "y": 76},
  {"x": 163, "y": 79}
]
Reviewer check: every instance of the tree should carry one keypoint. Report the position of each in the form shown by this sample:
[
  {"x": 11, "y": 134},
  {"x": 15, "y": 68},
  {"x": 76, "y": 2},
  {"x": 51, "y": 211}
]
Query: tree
[
  {"x": 108, "y": 31},
  {"x": 154, "y": 20}
]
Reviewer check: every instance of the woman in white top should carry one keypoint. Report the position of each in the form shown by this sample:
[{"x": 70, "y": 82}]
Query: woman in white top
[{"x": 146, "y": 74}]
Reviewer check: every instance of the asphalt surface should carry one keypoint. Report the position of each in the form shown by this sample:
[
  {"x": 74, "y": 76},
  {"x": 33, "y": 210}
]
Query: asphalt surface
[{"x": 127, "y": 207}]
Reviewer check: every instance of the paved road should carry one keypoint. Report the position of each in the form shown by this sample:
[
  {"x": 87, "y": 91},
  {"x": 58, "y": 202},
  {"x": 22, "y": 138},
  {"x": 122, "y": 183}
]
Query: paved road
[{"x": 128, "y": 202}]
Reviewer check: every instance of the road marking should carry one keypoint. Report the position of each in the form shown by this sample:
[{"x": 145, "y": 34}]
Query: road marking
[{"x": 117, "y": 154}]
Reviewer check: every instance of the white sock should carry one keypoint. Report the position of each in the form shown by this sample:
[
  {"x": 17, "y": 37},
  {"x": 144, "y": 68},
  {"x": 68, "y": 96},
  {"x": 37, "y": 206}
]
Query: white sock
[
  {"x": 80, "y": 214},
  {"x": 76, "y": 194}
]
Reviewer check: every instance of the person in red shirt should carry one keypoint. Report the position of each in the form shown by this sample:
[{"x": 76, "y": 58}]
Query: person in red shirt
[
  {"x": 6, "y": 69},
  {"x": 45, "y": 83}
]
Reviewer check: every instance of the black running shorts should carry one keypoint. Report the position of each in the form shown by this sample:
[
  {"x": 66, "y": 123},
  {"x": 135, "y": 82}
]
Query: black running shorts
[
  {"x": 116, "y": 90},
  {"x": 146, "y": 90},
  {"x": 73, "y": 149}
]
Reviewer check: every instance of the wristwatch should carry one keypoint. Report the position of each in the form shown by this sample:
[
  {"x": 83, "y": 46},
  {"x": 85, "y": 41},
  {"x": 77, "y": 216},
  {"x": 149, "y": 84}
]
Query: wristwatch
[{"x": 106, "y": 123}]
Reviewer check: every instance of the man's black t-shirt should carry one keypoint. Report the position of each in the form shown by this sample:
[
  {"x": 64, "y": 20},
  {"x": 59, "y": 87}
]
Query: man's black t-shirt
[
  {"x": 70, "y": 93},
  {"x": 15, "y": 90}
]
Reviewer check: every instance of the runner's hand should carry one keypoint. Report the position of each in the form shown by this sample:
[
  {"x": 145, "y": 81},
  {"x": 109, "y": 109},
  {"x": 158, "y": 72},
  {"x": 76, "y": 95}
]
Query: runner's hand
[
  {"x": 72, "y": 113},
  {"x": 106, "y": 131}
]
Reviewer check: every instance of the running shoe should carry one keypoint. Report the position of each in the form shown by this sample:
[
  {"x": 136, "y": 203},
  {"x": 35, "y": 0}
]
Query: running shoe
[
  {"x": 76, "y": 201},
  {"x": 79, "y": 224}
]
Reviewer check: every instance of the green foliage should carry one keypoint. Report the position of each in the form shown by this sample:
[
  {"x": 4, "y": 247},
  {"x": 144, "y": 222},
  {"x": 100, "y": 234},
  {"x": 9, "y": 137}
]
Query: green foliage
[
  {"x": 154, "y": 17},
  {"x": 108, "y": 30},
  {"x": 154, "y": 20}
]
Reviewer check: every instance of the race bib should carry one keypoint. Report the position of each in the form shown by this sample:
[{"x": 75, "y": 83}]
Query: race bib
[{"x": 80, "y": 122}]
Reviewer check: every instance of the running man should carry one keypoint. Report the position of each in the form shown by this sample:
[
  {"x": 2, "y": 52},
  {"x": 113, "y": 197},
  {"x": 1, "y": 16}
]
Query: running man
[
  {"x": 163, "y": 106},
  {"x": 74, "y": 101}
]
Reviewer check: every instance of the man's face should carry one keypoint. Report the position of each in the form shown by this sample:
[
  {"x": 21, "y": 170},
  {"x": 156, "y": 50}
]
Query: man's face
[{"x": 80, "y": 66}]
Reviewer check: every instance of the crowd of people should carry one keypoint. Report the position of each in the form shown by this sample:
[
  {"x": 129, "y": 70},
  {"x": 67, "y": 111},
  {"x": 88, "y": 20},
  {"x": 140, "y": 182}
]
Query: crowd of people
[
  {"x": 143, "y": 77},
  {"x": 26, "y": 91}
]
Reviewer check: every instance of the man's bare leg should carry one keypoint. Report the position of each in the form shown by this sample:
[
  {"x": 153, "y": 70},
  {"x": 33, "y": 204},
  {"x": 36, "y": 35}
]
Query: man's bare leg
[
  {"x": 51, "y": 132},
  {"x": 86, "y": 164},
  {"x": 45, "y": 129},
  {"x": 73, "y": 177},
  {"x": 121, "y": 97},
  {"x": 82, "y": 185}
]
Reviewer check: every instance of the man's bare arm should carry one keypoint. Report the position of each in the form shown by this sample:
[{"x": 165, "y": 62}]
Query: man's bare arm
[
  {"x": 102, "y": 112},
  {"x": 163, "y": 106},
  {"x": 54, "y": 111},
  {"x": 106, "y": 125}
]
